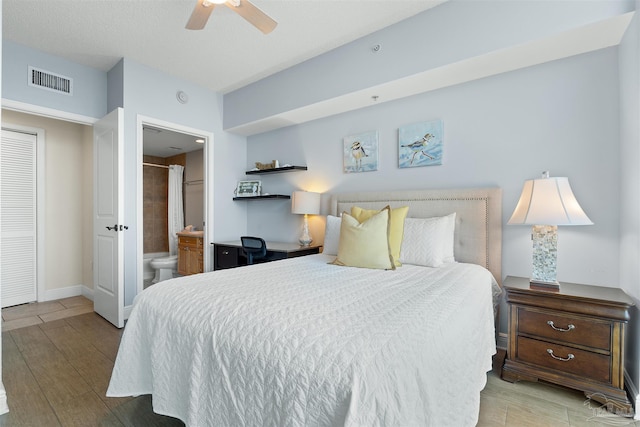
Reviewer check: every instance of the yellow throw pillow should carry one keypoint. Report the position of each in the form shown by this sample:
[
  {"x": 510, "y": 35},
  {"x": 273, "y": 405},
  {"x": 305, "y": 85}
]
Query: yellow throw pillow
[
  {"x": 365, "y": 244},
  {"x": 396, "y": 227}
]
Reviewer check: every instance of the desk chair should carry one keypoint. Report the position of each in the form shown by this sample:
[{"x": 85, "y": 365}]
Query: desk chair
[{"x": 254, "y": 247}]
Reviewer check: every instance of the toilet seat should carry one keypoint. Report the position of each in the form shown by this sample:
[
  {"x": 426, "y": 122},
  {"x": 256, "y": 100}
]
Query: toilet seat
[
  {"x": 165, "y": 262},
  {"x": 164, "y": 267}
]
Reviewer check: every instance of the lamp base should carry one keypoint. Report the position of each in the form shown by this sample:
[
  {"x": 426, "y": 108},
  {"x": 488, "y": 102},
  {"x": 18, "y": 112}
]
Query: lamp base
[
  {"x": 545, "y": 253},
  {"x": 305, "y": 243},
  {"x": 544, "y": 286},
  {"x": 305, "y": 238}
]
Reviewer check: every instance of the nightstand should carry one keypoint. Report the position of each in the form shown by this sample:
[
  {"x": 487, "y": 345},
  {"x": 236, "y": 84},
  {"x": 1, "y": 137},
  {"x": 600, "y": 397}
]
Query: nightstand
[{"x": 573, "y": 337}]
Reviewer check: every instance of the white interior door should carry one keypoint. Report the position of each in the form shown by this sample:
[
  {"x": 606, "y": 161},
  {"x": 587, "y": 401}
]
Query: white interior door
[
  {"x": 18, "y": 252},
  {"x": 108, "y": 208}
]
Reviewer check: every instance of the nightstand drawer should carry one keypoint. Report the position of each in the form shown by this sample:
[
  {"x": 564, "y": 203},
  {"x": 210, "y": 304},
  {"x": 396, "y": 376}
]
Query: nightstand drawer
[
  {"x": 575, "y": 330},
  {"x": 584, "y": 363}
]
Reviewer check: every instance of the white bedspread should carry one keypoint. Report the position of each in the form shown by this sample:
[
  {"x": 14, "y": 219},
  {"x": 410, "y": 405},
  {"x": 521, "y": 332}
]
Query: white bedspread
[{"x": 299, "y": 342}]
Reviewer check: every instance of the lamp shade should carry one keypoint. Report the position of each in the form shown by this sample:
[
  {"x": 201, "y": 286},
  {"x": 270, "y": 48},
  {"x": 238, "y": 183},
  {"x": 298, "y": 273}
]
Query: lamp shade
[
  {"x": 305, "y": 202},
  {"x": 548, "y": 201}
]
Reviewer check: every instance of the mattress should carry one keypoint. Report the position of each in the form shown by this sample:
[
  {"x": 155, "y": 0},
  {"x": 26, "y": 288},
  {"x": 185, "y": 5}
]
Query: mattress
[{"x": 300, "y": 342}]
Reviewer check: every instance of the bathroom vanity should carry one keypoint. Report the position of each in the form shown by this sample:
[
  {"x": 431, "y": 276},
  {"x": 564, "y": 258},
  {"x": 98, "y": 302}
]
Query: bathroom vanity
[{"x": 190, "y": 259}]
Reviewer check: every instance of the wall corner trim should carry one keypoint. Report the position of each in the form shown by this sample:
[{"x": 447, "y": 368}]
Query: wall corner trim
[
  {"x": 503, "y": 341},
  {"x": 23, "y": 107},
  {"x": 632, "y": 389}
]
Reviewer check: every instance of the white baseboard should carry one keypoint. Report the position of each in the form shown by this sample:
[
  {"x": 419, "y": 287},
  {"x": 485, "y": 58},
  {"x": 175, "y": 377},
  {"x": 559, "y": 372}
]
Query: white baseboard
[
  {"x": 74, "y": 291},
  {"x": 503, "y": 341},
  {"x": 4, "y": 408},
  {"x": 87, "y": 292},
  {"x": 632, "y": 388},
  {"x": 66, "y": 292}
]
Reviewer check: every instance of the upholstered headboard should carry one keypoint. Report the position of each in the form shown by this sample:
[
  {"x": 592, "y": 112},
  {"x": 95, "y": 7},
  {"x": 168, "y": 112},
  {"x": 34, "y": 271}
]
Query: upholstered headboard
[{"x": 478, "y": 233}]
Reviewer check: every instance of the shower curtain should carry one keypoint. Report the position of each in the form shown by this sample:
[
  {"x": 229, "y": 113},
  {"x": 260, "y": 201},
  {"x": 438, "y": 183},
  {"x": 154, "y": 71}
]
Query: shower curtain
[{"x": 176, "y": 209}]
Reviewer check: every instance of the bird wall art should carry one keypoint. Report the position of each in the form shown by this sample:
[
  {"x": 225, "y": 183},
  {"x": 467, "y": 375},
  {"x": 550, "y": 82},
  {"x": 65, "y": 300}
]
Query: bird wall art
[
  {"x": 360, "y": 152},
  {"x": 420, "y": 144}
]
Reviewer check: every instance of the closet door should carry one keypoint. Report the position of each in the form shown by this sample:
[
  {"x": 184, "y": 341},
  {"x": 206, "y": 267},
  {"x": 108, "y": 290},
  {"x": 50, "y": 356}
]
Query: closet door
[{"x": 18, "y": 218}]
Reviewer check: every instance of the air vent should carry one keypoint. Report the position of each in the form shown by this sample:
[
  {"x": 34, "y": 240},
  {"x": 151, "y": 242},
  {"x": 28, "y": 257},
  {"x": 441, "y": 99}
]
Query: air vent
[{"x": 50, "y": 81}]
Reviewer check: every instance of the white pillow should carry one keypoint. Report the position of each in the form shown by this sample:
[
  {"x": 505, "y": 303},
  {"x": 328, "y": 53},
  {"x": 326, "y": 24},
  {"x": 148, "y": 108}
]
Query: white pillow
[
  {"x": 331, "y": 235},
  {"x": 428, "y": 241},
  {"x": 449, "y": 242}
]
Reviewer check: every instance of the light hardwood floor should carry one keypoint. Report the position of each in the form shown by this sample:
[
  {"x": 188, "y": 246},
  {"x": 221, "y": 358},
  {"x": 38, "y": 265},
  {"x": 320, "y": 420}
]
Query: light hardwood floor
[{"x": 57, "y": 360}]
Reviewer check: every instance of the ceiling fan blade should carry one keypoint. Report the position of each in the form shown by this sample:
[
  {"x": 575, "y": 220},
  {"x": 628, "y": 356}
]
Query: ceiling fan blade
[
  {"x": 200, "y": 15},
  {"x": 255, "y": 16}
]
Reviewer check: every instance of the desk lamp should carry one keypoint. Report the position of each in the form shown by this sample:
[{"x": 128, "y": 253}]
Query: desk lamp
[
  {"x": 305, "y": 203},
  {"x": 546, "y": 203}
]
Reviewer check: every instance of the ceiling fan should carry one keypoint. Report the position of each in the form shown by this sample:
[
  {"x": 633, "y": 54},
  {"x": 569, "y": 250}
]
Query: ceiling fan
[{"x": 244, "y": 8}]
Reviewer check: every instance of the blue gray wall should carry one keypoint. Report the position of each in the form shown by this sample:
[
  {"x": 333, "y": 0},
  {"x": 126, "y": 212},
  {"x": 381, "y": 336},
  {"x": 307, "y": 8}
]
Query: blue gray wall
[
  {"x": 146, "y": 92},
  {"x": 499, "y": 131},
  {"x": 152, "y": 93},
  {"x": 89, "y": 85},
  {"x": 629, "y": 69},
  {"x": 448, "y": 34}
]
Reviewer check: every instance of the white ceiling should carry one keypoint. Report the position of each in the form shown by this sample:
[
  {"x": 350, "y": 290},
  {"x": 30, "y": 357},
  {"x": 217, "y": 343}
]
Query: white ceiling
[
  {"x": 229, "y": 53},
  {"x": 165, "y": 143}
]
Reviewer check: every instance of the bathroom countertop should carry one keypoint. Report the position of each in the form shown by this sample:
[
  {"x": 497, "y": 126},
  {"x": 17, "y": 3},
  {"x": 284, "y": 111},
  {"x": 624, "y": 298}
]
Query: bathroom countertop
[{"x": 191, "y": 233}]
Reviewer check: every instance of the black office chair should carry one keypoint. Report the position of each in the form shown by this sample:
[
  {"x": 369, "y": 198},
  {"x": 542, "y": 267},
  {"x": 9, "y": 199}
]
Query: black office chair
[{"x": 254, "y": 247}]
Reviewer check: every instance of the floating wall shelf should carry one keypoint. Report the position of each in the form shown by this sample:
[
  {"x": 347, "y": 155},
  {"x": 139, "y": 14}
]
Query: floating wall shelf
[
  {"x": 263, "y": 197},
  {"x": 268, "y": 171},
  {"x": 276, "y": 170}
]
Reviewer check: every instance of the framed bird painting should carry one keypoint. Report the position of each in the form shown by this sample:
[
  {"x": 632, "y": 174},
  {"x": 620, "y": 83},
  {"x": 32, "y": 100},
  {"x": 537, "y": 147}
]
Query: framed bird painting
[
  {"x": 420, "y": 144},
  {"x": 360, "y": 152}
]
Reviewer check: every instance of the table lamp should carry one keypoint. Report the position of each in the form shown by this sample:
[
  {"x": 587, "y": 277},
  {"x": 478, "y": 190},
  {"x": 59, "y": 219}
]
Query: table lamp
[
  {"x": 546, "y": 203},
  {"x": 305, "y": 203}
]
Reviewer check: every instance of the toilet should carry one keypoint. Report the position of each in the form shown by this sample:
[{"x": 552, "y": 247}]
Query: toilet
[{"x": 164, "y": 267}]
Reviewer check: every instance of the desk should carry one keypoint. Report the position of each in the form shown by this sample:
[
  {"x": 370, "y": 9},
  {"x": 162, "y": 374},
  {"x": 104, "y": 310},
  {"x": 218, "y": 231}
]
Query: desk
[{"x": 230, "y": 254}]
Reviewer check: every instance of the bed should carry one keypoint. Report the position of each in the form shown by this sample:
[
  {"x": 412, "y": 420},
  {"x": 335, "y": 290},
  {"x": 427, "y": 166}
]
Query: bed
[{"x": 302, "y": 342}]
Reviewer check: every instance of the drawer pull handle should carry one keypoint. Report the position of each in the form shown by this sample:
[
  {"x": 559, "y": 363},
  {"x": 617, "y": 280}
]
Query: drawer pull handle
[
  {"x": 555, "y": 328},
  {"x": 225, "y": 252},
  {"x": 569, "y": 356}
]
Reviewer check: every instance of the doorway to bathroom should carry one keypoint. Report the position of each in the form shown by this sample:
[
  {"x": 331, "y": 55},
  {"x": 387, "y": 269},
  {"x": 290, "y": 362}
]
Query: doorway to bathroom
[{"x": 160, "y": 145}]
